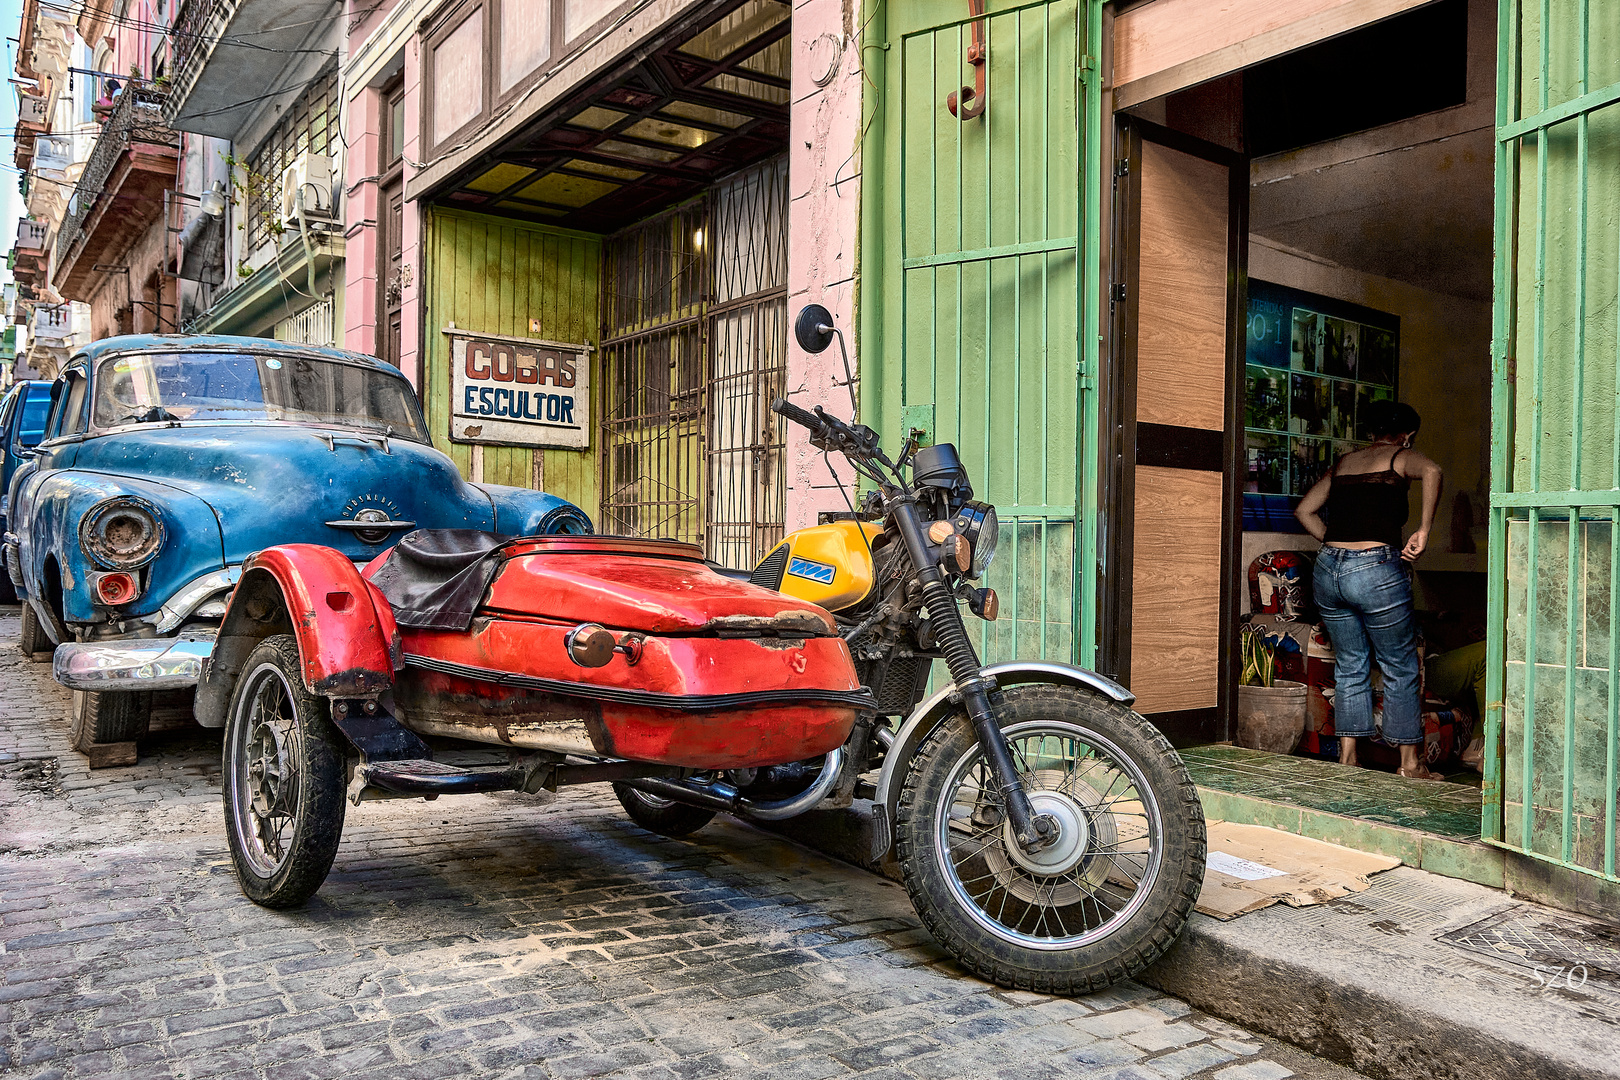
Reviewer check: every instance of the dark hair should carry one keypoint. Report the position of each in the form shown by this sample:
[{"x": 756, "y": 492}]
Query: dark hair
[{"x": 1391, "y": 418}]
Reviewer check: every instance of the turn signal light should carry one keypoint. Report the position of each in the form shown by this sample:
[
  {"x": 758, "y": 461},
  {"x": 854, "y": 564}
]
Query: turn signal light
[
  {"x": 116, "y": 588},
  {"x": 961, "y": 552},
  {"x": 590, "y": 645},
  {"x": 985, "y": 604}
]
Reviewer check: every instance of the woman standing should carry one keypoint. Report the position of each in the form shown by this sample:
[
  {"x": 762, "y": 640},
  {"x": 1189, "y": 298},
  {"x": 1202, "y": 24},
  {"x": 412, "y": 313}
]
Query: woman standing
[{"x": 1364, "y": 592}]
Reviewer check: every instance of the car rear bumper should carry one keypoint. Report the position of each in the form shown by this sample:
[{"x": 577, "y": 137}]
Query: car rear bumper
[{"x": 133, "y": 664}]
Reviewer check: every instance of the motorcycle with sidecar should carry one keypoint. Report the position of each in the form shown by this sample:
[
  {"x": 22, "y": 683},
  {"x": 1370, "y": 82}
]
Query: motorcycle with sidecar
[{"x": 1049, "y": 837}]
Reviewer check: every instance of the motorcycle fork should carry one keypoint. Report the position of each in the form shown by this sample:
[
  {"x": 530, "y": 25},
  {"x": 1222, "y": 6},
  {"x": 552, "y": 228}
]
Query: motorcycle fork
[{"x": 1032, "y": 831}]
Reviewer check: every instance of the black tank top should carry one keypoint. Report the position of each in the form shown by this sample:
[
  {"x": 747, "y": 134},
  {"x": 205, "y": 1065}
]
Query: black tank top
[{"x": 1367, "y": 506}]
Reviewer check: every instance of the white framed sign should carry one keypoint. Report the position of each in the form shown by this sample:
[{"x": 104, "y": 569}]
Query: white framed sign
[{"x": 516, "y": 391}]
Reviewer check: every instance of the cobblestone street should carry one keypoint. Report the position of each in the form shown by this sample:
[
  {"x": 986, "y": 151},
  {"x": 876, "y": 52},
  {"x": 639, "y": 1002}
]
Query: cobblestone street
[{"x": 495, "y": 936}]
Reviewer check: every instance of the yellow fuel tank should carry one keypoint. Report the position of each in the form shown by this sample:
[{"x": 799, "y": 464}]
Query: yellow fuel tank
[{"x": 828, "y": 565}]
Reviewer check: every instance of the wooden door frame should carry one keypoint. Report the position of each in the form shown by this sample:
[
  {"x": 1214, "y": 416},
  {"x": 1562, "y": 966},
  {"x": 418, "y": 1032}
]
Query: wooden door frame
[{"x": 1117, "y": 428}]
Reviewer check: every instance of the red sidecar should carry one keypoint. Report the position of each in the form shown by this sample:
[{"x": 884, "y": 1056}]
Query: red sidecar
[
  {"x": 704, "y": 671},
  {"x": 605, "y": 647}
]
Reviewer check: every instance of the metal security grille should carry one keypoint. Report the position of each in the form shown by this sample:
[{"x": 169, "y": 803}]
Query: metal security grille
[
  {"x": 311, "y": 124},
  {"x": 1552, "y": 765},
  {"x": 694, "y": 347},
  {"x": 991, "y": 289}
]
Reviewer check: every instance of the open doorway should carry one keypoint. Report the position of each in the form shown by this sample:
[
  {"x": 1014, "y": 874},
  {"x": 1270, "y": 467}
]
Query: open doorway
[{"x": 1296, "y": 241}]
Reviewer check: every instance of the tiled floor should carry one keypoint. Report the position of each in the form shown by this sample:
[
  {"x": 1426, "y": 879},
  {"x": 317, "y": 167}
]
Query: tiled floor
[{"x": 1450, "y": 810}]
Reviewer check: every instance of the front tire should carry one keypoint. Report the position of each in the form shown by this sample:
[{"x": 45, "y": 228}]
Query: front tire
[
  {"x": 666, "y": 817},
  {"x": 33, "y": 642},
  {"x": 109, "y": 717},
  {"x": 283, "y": 779},
  {"x": 1102, "y": 902}
]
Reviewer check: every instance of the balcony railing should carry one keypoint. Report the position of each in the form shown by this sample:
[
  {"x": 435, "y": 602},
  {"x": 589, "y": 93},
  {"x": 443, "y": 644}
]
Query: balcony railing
[
  {"x": 135, "y": 118},
  {"x": 191, "y": 39}
]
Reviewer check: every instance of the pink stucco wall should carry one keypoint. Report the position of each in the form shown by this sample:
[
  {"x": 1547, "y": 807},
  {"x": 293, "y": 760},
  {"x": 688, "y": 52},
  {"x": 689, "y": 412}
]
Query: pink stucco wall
[
  {"x": 824, "y": 179},
  {"x": 363, "y": 128}
]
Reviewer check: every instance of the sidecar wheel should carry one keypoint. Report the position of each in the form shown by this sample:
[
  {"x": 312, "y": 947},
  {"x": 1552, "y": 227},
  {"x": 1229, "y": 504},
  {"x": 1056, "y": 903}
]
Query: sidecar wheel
[
  {"x": 283, "y": 779},
  {"x": 666, "y": 817},
  {"x": 1102, "y": 902}
]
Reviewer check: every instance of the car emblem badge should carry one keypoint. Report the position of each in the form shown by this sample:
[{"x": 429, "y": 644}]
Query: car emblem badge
[{"x": 365, "y": 509}]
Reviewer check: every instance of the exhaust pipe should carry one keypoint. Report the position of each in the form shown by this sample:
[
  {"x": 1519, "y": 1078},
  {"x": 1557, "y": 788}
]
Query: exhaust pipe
[{"x": 719, "y": 795}]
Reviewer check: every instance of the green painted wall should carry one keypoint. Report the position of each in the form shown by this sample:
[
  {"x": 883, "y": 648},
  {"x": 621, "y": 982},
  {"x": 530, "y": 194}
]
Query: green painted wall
[
  {"x": 1555, "y": 626},
  {"x": 493, "y": 275}
]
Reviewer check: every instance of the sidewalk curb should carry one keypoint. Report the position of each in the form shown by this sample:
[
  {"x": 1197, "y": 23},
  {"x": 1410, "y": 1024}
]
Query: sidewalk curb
[{"x": 1369, "y": 993}]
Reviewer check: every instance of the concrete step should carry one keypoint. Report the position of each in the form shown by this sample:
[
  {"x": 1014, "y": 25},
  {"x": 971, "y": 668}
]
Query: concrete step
[{"x": 1374, "y": 981}]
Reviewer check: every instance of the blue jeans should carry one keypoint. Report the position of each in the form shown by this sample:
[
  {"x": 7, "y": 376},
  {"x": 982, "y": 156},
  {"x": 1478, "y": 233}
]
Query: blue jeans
[{"x": 1366, "y": 601}]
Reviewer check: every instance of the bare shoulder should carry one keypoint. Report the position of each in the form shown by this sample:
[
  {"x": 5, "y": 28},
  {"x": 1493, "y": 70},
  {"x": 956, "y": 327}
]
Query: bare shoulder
[{"x": 1414, "y": 464}]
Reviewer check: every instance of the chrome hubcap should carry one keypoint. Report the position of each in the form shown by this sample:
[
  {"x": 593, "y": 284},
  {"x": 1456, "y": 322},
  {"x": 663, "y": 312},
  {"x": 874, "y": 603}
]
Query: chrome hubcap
[{"x": 1063, "y": 853}]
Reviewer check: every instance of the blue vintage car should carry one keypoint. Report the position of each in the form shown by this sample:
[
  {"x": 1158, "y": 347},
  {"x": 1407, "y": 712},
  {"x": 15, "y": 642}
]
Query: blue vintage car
[{"x": 167, "y": 460}]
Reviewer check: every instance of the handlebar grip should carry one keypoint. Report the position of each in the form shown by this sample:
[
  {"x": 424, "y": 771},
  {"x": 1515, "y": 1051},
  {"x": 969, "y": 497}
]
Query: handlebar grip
[{"x": 784, "y": 408}]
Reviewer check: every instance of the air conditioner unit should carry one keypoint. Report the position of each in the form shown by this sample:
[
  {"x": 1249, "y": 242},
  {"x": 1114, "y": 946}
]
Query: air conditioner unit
[
  {"x": 311, "y": 176},
  {"x": 31, "y": 109}
]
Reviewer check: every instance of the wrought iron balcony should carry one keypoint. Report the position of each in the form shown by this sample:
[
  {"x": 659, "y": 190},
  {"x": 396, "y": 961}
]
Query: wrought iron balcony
[{"x": 136, "y": 120}]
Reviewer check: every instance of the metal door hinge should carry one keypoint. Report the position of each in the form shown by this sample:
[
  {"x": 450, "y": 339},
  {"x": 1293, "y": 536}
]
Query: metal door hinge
[
  {"x": 1122, "y": 167},
  {"x": 1116, "y": 292}
]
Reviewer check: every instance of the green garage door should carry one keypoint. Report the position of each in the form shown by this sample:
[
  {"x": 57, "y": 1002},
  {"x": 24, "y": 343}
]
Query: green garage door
[
  {"x": 1552, "y": 731},
  {"x": 979, "y": 284}
]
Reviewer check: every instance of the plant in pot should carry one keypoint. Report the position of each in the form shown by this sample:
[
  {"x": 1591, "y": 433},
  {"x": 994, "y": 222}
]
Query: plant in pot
[{"x": 1271, "y": 711}]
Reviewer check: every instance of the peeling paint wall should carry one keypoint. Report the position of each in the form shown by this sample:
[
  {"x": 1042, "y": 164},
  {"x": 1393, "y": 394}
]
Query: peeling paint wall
[{"x": 823, "y": 227}]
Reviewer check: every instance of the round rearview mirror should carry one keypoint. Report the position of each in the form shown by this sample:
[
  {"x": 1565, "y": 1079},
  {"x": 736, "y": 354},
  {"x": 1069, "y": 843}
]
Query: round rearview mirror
[{"x": 813, "y": 328}]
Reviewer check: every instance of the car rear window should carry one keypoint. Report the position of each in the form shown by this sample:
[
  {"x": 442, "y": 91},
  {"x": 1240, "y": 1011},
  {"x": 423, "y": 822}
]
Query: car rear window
[{"x": 180, "y": 386}]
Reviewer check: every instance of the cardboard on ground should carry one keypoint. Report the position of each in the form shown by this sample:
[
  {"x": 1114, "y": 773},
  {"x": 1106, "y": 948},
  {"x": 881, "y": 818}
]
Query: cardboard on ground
[{"x": 1251, "y": 867}]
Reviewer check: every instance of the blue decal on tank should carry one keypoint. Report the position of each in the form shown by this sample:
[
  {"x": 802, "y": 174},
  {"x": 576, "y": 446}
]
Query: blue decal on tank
[{"x": 811, "y": 571}]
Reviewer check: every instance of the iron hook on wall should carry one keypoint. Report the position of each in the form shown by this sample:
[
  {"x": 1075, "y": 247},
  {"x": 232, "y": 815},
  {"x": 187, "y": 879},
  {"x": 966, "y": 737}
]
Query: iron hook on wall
[{"x": 972, "y": 98}]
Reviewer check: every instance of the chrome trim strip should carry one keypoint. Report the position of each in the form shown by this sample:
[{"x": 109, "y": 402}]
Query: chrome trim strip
[{"x": 132, "y": 663}]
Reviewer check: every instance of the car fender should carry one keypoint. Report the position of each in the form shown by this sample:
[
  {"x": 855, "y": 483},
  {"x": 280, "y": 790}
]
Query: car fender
[
  {"x": 926, "y": 716},
  {"x": 49, "y": 507},
  {"x": 348, "y": 643},
  {"x": 522, "y": 512}
]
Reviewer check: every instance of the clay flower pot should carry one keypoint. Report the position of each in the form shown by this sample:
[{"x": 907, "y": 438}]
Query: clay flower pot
[{"x": 1271, "y": 717}]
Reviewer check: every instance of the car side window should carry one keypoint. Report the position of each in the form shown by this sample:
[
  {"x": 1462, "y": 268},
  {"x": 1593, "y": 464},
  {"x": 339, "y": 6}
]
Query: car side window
[
  {"x": 7, "y": 409},
  {"x": 67, "y": 417},
  {"x": 73, "y": 415}
]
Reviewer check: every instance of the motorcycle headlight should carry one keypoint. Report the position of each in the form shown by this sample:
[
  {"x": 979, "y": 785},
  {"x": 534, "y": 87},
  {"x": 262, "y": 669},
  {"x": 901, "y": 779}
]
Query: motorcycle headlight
[
  {"x": 977, "y": 522},
  {"x": 122, "y": 534}
]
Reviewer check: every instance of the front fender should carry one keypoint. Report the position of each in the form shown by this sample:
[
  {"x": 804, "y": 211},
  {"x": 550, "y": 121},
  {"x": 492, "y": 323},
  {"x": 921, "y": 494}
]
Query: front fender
[
  {"x": 927, "y": 715},
  {"x": 522, "y": 512},
  {"x": 348, "y": 643},
  {"x": 47, "y": 512}
]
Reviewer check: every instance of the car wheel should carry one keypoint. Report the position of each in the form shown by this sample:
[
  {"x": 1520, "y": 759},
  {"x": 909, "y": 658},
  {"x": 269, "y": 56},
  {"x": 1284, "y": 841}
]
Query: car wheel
[
  {"x": 109, "y": 718},
  {"x": 34, "y": 644},
  {"x": 283, "y": 779}
]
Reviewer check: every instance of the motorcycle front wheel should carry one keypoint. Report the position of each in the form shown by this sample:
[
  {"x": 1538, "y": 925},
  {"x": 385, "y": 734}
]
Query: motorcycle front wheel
[{"x": 1099, "y": 903}]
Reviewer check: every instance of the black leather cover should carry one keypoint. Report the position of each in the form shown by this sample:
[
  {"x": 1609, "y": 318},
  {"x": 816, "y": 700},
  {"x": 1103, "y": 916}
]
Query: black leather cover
[{"x": 434, "y": 579}]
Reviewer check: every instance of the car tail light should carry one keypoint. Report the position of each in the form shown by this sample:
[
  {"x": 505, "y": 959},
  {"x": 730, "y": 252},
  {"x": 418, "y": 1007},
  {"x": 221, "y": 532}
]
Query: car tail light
[{"x": 116, "y": 588}]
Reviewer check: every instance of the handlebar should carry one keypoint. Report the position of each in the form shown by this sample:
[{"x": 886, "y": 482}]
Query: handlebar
[
  {"x": 803, "y": 417},
  {"x": 855, "y": 441}
]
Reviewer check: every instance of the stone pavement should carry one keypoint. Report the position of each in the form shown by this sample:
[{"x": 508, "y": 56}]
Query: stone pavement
[{"x": 496, "y": 935}]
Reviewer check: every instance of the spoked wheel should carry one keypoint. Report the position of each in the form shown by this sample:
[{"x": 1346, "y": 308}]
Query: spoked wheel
[
  {"x": 1099, "y": 903},
  {"x": 283, "y": 780},
  {"x": 666, "y": 817}
]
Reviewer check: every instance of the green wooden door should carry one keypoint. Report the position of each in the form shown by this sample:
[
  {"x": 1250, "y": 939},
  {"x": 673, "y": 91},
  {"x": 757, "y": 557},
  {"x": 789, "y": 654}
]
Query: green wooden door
[
  {"x": 1552, "y": 733},
  {"x": 494, "y": 275},
  {"x": 979, "y": 284}
]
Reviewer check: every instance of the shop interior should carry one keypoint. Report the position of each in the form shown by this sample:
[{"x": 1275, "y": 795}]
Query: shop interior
[{"x": 1369, "y": 269}]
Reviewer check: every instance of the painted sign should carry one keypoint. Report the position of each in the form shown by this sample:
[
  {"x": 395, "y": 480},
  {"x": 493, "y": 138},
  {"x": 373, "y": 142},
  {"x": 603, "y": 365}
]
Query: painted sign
[{"x": 519, "y": 391}]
